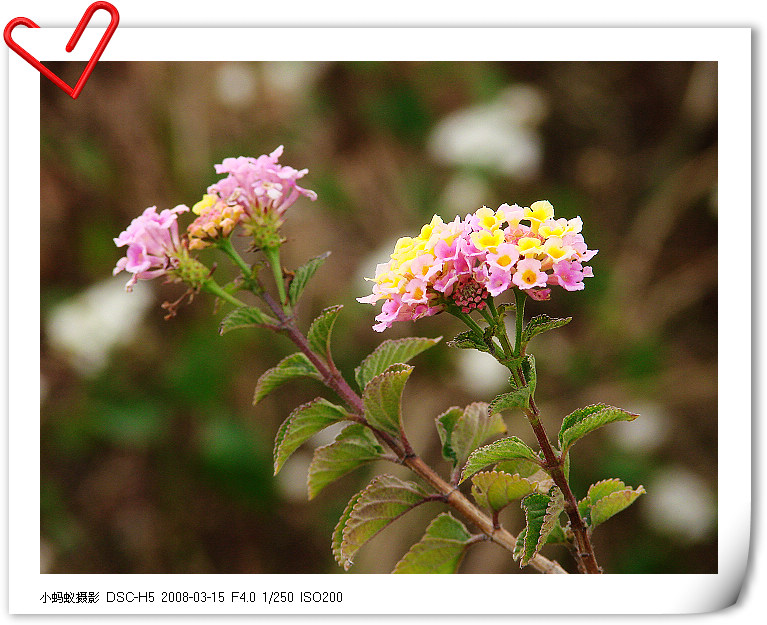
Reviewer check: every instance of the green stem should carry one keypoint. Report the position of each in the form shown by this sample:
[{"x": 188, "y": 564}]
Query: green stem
[
  {"x": 225, "y": 245},
  {"x": 473, "y": 325},
  {"x": 212, "y": 287},
  {"x": 273, "y": 257},
  {"x": 519, "y": 300}
]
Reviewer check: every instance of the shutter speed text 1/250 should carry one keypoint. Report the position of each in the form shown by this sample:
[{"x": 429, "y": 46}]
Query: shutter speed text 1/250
[{"x": 219, "y": 596}]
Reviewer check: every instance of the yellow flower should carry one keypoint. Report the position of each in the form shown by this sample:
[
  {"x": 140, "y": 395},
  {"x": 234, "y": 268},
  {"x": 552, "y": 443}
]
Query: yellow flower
[
  {"x": 205, "y": 204},
  {"x": 529, "y": 246},
  {"x": 539, "y": 212},
  {"x": 486, "y": 240}
]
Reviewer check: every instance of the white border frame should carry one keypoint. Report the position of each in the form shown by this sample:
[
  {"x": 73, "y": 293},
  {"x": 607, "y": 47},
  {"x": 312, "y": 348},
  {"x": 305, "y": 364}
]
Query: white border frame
[{"x": 650, "y": 594}]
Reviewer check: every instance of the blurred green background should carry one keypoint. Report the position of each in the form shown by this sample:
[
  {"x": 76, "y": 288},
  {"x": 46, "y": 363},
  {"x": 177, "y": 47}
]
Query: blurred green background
[{"x": 153, "y": 459}]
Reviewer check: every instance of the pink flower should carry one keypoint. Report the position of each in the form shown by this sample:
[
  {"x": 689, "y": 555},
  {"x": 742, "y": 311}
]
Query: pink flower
[
  {"x": 569, "y": 275},
  {"x": 529, "y": 274},
  {"x": 260, "y": 185},
  {"x": 500, "y": 281},
  {"x": 153, "y": 244}
]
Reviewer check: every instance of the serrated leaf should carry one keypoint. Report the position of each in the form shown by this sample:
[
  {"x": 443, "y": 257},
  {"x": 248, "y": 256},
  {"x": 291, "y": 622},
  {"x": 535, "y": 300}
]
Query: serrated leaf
[
  {"x": 319, "y": 332},
  {"x": 355, "y": 445},
  {"x": 613, "y": 503},
  {"x": 445, "y": 424},
  {"x": 468, "y": 340},
  {"x": 518, "y": 398},
  {"x": 520, "y": 466},
  {"x": 603, "y": 488},
  {"x": 439, "y": 551},
  {"x": 383, "y": 501},
  {"x": 302, "y": 276},
  {"x": 519, "y": 546},
  {"x": 338, "y": 533},
  {"x": 541, "y": 516},
  {"x": 245, "y": 317},
  {"x": 390, "y": 352},
  {"x": 470, "y": 429},
  {"x": 535, "y": 507},
  {"x": 498, "y": 451},
  {"x": 551, "y": 520},
  {"x": 293, "y": 366},
  {"x": 542, "y": 323},
  {"x": 382, "y": 398},
  {"x": 585, "y": 420},
  {"x": 301, "y": 425},
  {"x": 496, "y": 490}
]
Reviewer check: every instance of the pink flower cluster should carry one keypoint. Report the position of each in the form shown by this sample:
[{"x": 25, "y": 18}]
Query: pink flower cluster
[
  {"x": 261, "y": 186},
  {"x": 154, "y": 246},
  {"x": 464, "y": 262}
]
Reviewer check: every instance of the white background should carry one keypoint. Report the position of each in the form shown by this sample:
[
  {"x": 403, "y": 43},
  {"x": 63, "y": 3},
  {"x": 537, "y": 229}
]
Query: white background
[{"x": 635, "y": 591}]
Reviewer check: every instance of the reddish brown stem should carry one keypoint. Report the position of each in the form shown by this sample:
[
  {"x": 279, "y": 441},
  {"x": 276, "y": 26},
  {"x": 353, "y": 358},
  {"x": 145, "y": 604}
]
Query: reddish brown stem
[{"x": 450, "y": 493}]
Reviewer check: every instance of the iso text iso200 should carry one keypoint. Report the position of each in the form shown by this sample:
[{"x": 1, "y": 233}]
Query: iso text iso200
[{"x": 305, "y": 596}]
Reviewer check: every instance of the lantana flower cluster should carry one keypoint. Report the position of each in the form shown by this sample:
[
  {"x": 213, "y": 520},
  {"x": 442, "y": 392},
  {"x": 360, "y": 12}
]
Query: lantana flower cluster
[
  {"x": 255, "y": 193},
  {"x": 154, "y": 245},
  {"x": 464, "y": 262}
]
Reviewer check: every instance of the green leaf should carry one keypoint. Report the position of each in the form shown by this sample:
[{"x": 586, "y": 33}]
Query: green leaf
[
  {"x": 246, "y": 317},
  {"x": 584, "y": 420},
  {"x": 302, "y": 424},
  {"x": 604, "y": 488},
  {"x": 390, "y": 352},
  {"x": 338, "y": 533},
  {"x": 290, "y": 367},
  {"x": 518, "y": 466},
  {"x": 468, "y": 340},
  {"x": 303, "y": 275},
  {"x": 541, "y": 515},
  {"x": 445, "y": 425},
  {"x": 613, "y": 503},
  {"x": 519, "y": 546},
  {"x": 382, "y": 398},
  {"x": 462, "y": 431},
  {"x": 542, "y": 323},
  {"x": 605, "y": 499},
  {"x": 496, "y": 490},
  {"x": 354, "y": 446},
  {"x": 319, "y": 332},
  {"x": 498, "y": 451},
  {"x": 551, "y": 520},
  {"x": 518, "y": 398},
  {"x": 439, "y": 551},
  {"x": 383, "y": 501}
]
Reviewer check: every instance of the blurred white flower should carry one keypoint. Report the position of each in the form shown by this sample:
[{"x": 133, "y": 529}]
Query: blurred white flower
[
  {"x": 500, "y": 135},
  {"x": 291, "y": 79},
  {"x": 644, "y": 434},
  {"x": 464, "y": 193},
  {"x": 235, "y": 84},
  {"x": 291, "y": 480},
  {"x": 680, "y": 504},
  {"x": 87, "y": 326},
  {"x": 480, "y": 373}
]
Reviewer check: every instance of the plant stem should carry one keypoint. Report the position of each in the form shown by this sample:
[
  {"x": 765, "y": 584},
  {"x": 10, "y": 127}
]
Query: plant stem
[
  {"x": 273, "y": 256},
  {"x": 225, "y": 245},
  {"x": 519, "y": 300},
  {"x": 212, "y": 287},
  {"x": 473, "y": 325},
  {"x": 452, "y": 496},
  {"x": 555, "y": 466},
  {"x": 554, "y": 463}
]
